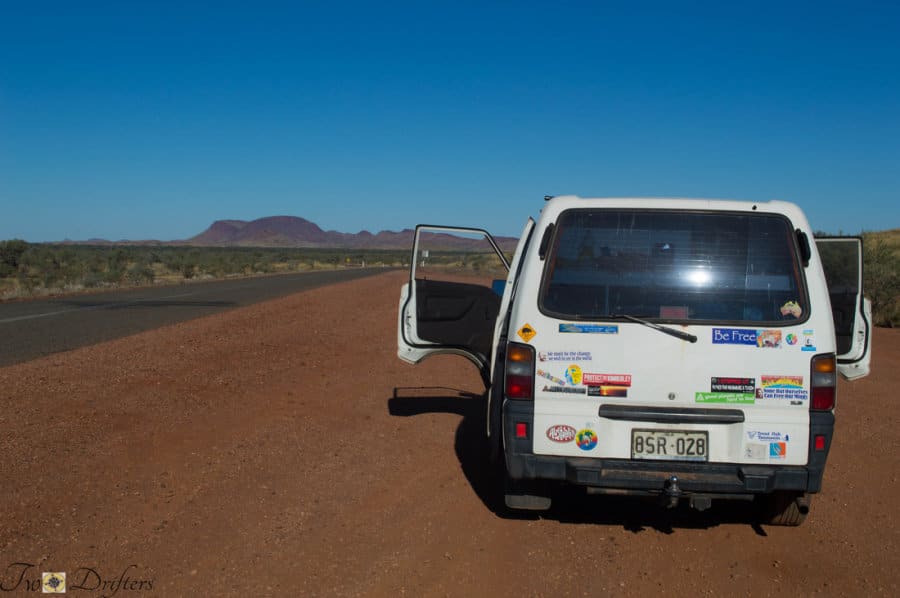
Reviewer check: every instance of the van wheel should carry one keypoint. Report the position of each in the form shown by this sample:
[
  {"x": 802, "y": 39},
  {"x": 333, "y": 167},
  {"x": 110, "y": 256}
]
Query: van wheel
[
  {"x": 495, "y": 417},
  {"x": 784, "y": 508}
]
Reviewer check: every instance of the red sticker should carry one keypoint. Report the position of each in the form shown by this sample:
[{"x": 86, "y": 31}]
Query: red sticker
[
  {"x": 561, "y": 433},
  {"x": 606, "y": 379}
]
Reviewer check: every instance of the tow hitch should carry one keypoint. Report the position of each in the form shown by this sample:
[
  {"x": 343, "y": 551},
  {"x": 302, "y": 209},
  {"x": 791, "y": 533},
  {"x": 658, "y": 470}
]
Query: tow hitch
[{"x": 671, "y": 492}]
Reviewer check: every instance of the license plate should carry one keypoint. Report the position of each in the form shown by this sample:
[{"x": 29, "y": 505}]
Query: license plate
[{"x": 670, "y": 445}]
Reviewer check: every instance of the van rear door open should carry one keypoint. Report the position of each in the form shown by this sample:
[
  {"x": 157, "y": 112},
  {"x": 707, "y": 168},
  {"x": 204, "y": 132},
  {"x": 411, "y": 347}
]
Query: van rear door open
[{"x": 842, "y": 261}]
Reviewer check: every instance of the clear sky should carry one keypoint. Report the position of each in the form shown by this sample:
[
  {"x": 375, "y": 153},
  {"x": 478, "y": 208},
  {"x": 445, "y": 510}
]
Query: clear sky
[{"x": 151, "y": 119}]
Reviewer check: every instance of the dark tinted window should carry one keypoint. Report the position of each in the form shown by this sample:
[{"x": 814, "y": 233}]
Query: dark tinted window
[
  {"x": 840, "y": 260},
  {"x": 673, "y": 265}
]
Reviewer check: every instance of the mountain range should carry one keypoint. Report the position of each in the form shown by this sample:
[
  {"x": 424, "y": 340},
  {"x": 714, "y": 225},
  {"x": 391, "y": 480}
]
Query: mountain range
[{"x": 292, "y": 231}]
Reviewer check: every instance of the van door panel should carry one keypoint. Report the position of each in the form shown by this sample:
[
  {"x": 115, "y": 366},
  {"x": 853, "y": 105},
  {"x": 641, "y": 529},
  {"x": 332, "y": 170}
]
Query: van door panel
[{"x": 842, "y": 261}]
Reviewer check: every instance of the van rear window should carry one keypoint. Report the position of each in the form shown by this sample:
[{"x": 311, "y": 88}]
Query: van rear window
[{"x": 673, "y": 266}]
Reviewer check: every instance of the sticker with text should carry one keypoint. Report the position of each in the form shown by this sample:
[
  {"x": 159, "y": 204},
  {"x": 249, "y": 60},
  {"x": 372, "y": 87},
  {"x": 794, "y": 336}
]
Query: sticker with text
[
  {"x": 764, "y": 436},
  {"x": 729, "y": 384},
  {"x": 607, "y": 391},
  {"x": 561, "y": 433},
  {"x": 550, "y": 377},
  {"x": 569, "y": 356},
  {"x": 589, "y": 328},
  {"x": 751, "y": 338},
  {"x": 725, "y": 397},
  {"x": 573, "y": 390},
  {"x": 783, "y": 387},
  {"x": 606, "y": 379}
]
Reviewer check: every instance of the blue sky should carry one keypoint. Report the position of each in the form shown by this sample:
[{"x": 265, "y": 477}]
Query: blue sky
[{"x": 137, "y": 120}]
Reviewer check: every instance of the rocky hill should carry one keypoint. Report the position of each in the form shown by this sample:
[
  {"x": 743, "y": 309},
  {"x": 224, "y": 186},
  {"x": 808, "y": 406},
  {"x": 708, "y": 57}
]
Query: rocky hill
[{"x": 292, "y": 231}]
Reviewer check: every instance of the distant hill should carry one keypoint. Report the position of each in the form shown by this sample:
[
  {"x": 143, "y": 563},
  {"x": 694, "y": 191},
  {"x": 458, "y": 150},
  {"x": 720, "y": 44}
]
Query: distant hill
[{"x": 292, "y": 231}]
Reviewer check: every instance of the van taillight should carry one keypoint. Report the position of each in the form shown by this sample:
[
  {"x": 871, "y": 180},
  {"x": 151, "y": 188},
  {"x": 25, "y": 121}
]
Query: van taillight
[
  {"x": 822, "y": 382},
  {"x": 519, "y": 371}
]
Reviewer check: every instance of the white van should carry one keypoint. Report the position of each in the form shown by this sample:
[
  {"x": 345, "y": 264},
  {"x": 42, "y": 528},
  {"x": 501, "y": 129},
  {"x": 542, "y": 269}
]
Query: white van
[{"x": 681, "y": 348}]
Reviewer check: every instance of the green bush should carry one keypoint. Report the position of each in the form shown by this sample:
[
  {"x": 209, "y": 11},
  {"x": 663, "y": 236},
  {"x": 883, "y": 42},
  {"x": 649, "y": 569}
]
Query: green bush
[
  {"x": 10, "y": 254},
  {"x": 139, "y": 274},
  {"x": 881, "y": 270}
]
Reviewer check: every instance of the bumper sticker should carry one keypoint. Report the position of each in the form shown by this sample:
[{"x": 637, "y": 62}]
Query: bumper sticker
[
  {"x": 808, "y": 343},
  {"x": 777, "y": 450},
  {"x": 526, "y": 332},
  {"x": 792, "y": 308},
  {"x": 751, "y": 338},
  {"x": 569, "y": 356},
  {"x": 768, "y": 436},
  {"x": 589, "y": 328},
  {"x": 728, "y": 384},
  {"x": 783, "y": 387},
  {"x": 586, "y": 439},
  {"x": 550, "y": 377},
  {"x": 607, "y": 379},
  {"x": 561, "y": 433},
  {"x": 566, "y": 389},
  {"x": 573, "y": 374},
  {"x": 724, "y": 397},
  {"x": 756, "y": 450},
  {"x": 607, "y": 391}
]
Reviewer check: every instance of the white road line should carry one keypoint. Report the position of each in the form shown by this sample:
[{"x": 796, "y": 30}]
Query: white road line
[{"x": 89, "y": 308}]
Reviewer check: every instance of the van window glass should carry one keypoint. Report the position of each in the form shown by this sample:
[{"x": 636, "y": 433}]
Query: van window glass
[{"x": 674, "y": 266}]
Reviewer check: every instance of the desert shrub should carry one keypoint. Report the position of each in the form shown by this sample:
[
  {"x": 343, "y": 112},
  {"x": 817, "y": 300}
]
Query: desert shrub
[
  {"x": 10, "y": 253},
  {"x": 92, "y": 280},
  {"x": 881, "y": 270},
  {"x": 139, "y": 273}
]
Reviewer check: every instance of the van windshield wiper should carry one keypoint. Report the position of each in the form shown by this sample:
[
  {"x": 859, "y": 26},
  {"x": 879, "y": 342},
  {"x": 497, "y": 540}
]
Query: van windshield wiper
[{"x": 685, "y": 336}]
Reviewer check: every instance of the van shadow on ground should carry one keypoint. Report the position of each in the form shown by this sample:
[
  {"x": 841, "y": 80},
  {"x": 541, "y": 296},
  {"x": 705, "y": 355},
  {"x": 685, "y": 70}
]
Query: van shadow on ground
[{"x": 570, "y": 504}]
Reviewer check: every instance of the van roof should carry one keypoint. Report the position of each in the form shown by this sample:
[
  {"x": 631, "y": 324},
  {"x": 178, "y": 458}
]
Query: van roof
[{"x": 559, "y": 203}]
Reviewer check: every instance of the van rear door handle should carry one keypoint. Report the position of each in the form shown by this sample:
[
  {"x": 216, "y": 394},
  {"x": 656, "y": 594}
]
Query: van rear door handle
[{"x": 671, "y": 415}]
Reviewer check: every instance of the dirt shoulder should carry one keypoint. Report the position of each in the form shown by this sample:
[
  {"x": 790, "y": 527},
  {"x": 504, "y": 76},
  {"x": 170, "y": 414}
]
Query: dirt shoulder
[{"x": 282, "y": 449}]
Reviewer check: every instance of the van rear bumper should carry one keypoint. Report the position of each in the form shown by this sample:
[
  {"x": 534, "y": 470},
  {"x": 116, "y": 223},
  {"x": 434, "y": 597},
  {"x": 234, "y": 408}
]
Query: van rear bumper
[{"x": 652, "y": 477}]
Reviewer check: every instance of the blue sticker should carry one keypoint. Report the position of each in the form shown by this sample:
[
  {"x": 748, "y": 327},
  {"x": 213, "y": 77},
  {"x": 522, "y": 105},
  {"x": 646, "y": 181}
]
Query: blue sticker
[
  {"x": 750, "y": 338},
  {"x": 777, "y": 450},
  {"x": 808, "y": 341},
  {"x": 589, "y": 328},
  {"x": 733, "y": 336}
]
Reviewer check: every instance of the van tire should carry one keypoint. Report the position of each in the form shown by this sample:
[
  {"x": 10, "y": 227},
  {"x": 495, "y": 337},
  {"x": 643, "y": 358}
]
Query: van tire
[
  {"x": 495, "y": 418},
  {"x": 527, "y": 502},
  {"x": 784, "y": 508},
  {"x": 522, "y": 495}
]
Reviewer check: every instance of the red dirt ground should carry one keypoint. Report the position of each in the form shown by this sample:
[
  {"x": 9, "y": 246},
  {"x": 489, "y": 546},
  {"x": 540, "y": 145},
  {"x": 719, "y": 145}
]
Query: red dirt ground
[{"x": 282, "y": 449}]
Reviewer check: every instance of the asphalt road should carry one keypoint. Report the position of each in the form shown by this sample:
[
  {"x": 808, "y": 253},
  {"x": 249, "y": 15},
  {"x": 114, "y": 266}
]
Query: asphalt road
[{"x": 30, "y": 329}]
